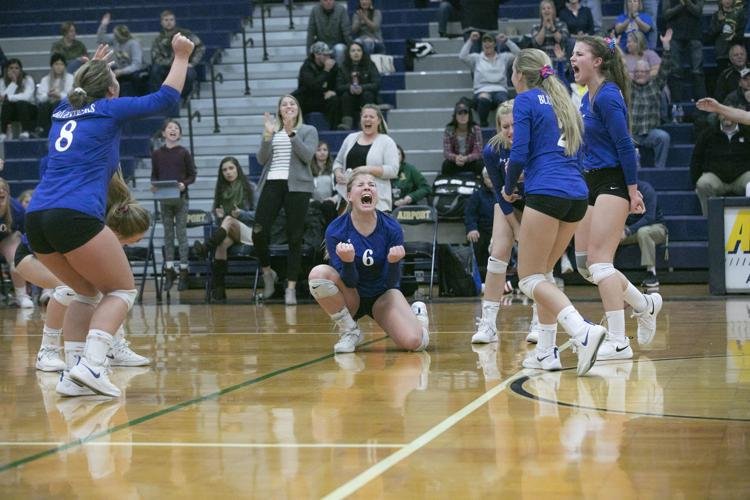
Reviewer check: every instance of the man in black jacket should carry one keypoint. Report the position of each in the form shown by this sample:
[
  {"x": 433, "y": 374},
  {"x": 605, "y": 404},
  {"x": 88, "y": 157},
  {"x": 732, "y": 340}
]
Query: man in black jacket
[
  {"x": 316, "y": 89},
  {"x": 720, "y": 164}
]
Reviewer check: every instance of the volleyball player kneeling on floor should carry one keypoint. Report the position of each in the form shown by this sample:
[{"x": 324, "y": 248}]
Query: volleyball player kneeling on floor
[{"x": 365, "y": 247}]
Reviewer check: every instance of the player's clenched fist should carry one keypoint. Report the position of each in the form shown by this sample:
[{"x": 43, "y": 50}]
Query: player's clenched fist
[
  {"x": 345, "y": 251},
  {"x": 396, "y": 253}
]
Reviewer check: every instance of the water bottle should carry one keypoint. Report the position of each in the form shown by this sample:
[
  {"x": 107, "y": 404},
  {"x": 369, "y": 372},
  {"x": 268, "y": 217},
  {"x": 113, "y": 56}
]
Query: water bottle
[
  {"x": 680, "y": 114},
  {"x": 674, "y": 113}
]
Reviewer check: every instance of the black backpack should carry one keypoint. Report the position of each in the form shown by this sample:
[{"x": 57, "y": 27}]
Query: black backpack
[
  {"x": 449, "y": 195},
  {"x": 458, "y": 273}
]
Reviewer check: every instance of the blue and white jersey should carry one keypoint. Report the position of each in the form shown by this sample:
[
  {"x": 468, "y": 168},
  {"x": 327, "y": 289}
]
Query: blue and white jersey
[
  {"x": 539, "y": 150},
  {"x": 606, "y": 136},
  {"x": 84, "y": 150},
  {"x": 496, "y": 161},
  {"x": 371, "y": 252}
]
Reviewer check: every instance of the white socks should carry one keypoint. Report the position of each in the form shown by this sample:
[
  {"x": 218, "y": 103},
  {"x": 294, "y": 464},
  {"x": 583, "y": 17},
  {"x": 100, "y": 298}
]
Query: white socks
[
  {"x": 547, "y": 337},
  {"x": 572, "y": 321},
  {"x": 616, "y": 325},
  {"x": 490, "y": 310},
  {"x": 51, "y": 336},
  {"x": 98, "y": 343},
  {"x": 344, "y": 320},
  {"x": 73, "y": 350},
  {"x": 635, "y": 298}
]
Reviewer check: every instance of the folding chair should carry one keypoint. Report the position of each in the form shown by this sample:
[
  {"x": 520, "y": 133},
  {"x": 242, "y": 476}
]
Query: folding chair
[{"x": 419, "y": 223}]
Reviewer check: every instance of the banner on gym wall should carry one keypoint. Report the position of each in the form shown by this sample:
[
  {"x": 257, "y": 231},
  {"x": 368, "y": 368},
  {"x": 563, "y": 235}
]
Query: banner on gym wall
[{"x": 737, "y": 249}]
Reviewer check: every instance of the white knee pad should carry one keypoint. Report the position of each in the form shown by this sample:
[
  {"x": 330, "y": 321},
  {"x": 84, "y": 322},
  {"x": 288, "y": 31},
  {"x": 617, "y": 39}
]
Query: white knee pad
[
  {"x": 601, "y": 271},
  {"x": 127, "y": 296},
  {"x": 85, "y": 299},
  {"x": 550, "y": 278},
  {"x": 529, "y": 283},
  {"x": 583, "y": 270},
  {"x": 322, "y": 288},
  {"x": 64, "y": 295},
  {"x": 496, "y": 266}
]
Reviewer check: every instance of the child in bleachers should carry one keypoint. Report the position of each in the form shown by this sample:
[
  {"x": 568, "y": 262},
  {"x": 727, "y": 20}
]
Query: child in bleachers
[{"x": 174, "y": 162}]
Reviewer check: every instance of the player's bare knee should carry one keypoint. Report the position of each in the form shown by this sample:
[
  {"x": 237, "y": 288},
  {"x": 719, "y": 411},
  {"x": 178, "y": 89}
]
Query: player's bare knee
[{"x": 323, "y": 272}]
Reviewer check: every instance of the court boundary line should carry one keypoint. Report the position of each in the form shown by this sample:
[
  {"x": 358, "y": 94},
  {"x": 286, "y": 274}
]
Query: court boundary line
[
  {"x": 165, "y": 411},
  {"x": 169, "y": 444},
  {"x": 415, "y": 445},
  {"x": 518, "y": 389}
]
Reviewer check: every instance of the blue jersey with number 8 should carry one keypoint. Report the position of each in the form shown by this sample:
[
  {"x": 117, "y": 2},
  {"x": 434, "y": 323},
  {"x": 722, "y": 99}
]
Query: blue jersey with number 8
[
  {"x": 370, "y": 252},
  {"x": 84, "y": 150}
]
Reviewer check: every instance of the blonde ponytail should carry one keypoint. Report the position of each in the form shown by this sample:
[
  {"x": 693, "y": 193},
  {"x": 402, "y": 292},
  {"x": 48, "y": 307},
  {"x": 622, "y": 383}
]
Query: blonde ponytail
[{"x": 536, "y": 68}]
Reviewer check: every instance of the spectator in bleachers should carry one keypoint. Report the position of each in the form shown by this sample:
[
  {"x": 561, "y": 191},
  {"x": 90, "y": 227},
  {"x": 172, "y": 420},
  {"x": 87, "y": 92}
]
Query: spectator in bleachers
[
  {"x": 316, "y": 84},
  {"x": 128, "y": 56},
  {"x": 53, "y": 88},
  {"x": 462, "y": 143},
  {"x": 740, "y": 97},
  {"x": 479, "y": 15},
  {"x": 73, "y": 50},
  {"x": 366, "y": 22},
  {"x": 637, "y": 51},
  {"x": 17, "y": 97},
  {"x": 371, "y": 151},
  {"x": 357, "y": 84},
  {"x": 646, "y": 96},
  {"x": 324, "y": 193},
  {"x": 449, "y": 10},
  {"x": 684, "y": 17},
  {"x": 409, "y": 187},
  {"x": 648, "y": 230},
  {"x": 233, "y": 205},
  {"x": 162, "y": 55},
  {"x": 286, "y": 150},
  {"x": 329, "y": 23},
  {"x": 3, "y": 60},
  {"x": 549, "y": 31},
  {"x": 25, "y": 198},
  {"x": 12, "y": 216},
  {"x": 635, "y": 19},
  {"x": 173, "y": 162},
  {"x": 596, "y": 12},
  {"x": 479, "y": 213},
  {"x": 490, "y": 69},
  {"x": 719, "y": 166},
  {"x": 726, "y": 29},
  {"x": 577, "y": 18},
  {"x": 729, "y": 79}
]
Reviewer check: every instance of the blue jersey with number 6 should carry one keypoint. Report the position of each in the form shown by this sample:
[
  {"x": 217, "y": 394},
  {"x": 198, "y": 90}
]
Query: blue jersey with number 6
[
  {"x": 84, "y": 150},
  {"x": 370, "y": 252}
]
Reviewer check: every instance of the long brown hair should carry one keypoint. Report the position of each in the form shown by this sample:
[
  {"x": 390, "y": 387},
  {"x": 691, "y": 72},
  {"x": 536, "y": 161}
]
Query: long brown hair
[
  {"x": 91, "y": 82},
  {"x": 613, "y": 63},
  {"x": 5, "y": 211},
  {"x": 125, "y": 216}
]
